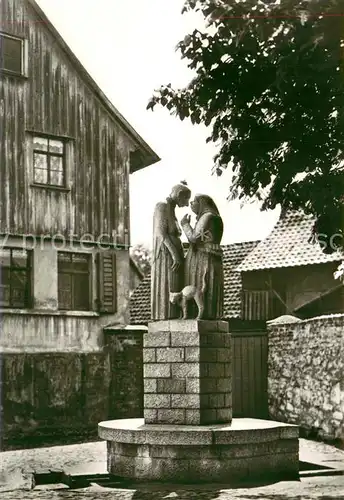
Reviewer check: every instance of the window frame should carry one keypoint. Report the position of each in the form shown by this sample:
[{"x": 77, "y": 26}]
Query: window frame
[
  {"x": 28, "y": 300},
  {"x": 69, "y": 165},
  {"x": 23, "y": 55},
  {"x": 49, "y": 155},
  {"x": 73, "y": 273}
]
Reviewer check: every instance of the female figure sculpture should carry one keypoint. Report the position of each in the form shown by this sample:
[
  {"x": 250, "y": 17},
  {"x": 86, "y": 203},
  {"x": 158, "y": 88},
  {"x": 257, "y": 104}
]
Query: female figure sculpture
[
  {"x": 204, "y": 261},
  {"x": 167, "y": 273}
]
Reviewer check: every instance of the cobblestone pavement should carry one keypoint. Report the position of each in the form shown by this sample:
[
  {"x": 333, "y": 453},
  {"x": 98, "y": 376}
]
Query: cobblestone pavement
[
  {"x": 328, "y": 488},
  {"x": 54, "y": 457},
  {"x": 317, "y": 452},
  {"x": 15, "y": 484}
]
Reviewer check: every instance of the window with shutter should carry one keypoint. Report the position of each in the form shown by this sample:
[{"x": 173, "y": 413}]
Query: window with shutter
[
  {"x": 74, "y": 281},
  {"x": 107, "y": 282}
]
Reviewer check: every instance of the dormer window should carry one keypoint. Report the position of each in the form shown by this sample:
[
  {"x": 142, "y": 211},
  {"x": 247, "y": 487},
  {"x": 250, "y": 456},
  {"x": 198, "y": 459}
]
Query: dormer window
[{"x": 11, "y": 54}]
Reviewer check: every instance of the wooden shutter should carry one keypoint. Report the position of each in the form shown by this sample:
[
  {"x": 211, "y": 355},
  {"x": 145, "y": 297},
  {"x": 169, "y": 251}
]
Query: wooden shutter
[{"x": 107, "y": 279}]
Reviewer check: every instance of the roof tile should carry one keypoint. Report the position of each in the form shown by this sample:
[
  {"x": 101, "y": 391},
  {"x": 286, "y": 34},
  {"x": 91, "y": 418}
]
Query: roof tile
[{"x": 288, "y": 246}]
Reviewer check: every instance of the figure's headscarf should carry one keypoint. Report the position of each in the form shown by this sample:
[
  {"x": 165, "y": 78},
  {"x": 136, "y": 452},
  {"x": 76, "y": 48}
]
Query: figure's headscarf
[{"x": 206, "y": 205}]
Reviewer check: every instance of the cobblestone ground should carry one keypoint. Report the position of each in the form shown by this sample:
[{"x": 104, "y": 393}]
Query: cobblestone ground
[
  {"x": 327, "y": 489},
  {"x": 91, "y": 458},
  {"x": 54, "y": 457}
]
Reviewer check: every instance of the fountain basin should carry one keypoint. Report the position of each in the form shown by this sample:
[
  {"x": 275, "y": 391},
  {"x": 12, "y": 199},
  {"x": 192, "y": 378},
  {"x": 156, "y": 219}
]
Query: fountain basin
[{"x": 247, "y": 450}]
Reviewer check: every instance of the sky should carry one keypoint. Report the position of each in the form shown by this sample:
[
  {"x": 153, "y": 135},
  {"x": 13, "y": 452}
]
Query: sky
[{"x": 128, "y": 47}]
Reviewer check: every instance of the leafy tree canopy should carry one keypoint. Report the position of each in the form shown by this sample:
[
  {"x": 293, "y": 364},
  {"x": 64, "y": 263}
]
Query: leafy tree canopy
[{"x": 269, "y": 81}]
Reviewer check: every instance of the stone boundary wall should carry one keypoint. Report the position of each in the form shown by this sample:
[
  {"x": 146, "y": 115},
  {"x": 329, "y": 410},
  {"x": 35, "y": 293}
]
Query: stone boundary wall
[
  {"x": 46, "y": 398},
  {"x": 306, "y": 374}
]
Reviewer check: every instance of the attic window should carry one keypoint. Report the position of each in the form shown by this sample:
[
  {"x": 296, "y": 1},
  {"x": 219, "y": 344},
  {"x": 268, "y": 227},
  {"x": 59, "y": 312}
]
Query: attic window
[
  {"x": 49, "y": 161},
  {"x": 11, "y": 54}
]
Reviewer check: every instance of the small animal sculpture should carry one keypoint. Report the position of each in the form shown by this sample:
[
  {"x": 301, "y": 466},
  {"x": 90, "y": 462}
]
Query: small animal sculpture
[{"x": 188, "y": 293}]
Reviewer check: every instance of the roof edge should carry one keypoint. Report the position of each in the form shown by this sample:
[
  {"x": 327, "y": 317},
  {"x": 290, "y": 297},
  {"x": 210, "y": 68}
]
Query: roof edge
[
  {"x": 246, "y": 242},
  {"x": 148, "y": 156},
  {"x": 136, "y": 267},
  {"x": 288, "y": 266}
]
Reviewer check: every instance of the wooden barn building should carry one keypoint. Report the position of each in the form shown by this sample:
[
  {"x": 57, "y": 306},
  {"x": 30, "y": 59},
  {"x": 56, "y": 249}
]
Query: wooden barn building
[{"x": 66, "y": 154}]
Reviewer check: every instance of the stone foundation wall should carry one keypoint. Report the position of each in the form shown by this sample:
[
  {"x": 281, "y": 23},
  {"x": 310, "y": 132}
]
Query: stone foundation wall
[
  {"x": 306, "y": 374},
  {"x": 50, "y": 397}
]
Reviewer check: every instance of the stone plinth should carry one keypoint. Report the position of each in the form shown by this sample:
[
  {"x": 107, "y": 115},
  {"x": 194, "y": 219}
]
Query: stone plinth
[
  {"x": 247, "y": 450},
  {"x": 187, "y": 373}
]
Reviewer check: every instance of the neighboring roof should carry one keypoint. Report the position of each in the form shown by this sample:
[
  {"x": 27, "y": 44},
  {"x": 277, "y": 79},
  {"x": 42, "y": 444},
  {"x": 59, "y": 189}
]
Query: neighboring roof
[
  {"x": 140, "y": 308},
  {"x": 233, "y": 254},
  {"x": 288, "y": 246},
  {"x": 144, "y": 155},
  {"x": 136, "y": 268}
]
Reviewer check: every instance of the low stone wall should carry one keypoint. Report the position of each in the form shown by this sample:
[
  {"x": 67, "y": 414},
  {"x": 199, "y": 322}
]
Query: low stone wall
[
  {"x": 306, "y": 374},
  {"x": 48, "y": 397}
]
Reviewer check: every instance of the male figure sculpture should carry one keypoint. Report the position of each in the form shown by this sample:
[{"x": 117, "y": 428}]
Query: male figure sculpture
[{"x": 167, "y": 274}]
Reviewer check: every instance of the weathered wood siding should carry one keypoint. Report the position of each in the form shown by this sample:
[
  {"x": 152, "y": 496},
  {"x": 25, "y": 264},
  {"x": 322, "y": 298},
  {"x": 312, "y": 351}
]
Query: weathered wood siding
[
  {"x": 55, "y": 100},
  {"x": 256, "y": 304},
  {"x": 263, "y": 295}
]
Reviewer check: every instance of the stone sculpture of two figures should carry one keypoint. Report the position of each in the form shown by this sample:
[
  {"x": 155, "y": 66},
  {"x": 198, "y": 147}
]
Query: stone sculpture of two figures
[{"x": 190, "y": 284}]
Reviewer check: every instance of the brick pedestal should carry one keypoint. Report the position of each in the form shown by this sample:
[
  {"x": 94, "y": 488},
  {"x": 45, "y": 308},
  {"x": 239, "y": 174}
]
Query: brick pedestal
[{"x": 187, "y": 373}]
